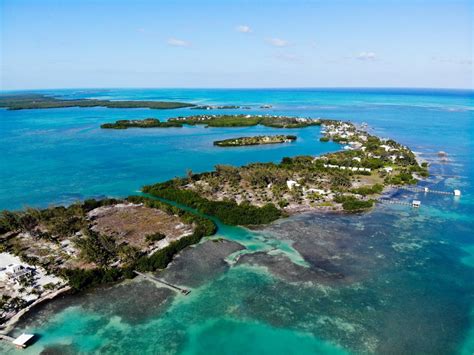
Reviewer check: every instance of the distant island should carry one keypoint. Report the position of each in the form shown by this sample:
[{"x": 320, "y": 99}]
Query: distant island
[
  {"x": 145, "y": 123},
  {"x": 37, "y": 101},
  {"x": 247, "y": 120},
  {"x": 255, "y": 140},
  {"x": 221, "y": 107},
  {"x": 219, "y": 121}
]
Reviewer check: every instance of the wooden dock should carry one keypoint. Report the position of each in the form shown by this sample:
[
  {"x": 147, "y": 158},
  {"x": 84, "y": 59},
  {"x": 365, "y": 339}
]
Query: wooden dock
[
  {"x": 167, "y": 284},
  {"x": 418, "y": 189},
  {"x": 449, "y": 176},
  {"x": 395, "y": 202}
]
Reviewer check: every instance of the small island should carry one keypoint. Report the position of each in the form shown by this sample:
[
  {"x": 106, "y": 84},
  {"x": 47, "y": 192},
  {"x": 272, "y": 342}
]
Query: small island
[
  {"x": 37, "y": 101},
  {"x": 145, "y": 123},
  {"x": 256, "y": 140},
  {"x": 220, "y": 107}
]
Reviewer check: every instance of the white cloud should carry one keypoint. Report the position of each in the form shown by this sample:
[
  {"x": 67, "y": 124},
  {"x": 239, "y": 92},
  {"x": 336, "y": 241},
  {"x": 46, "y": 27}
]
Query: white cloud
[
  {"x": 277, "y": 42},
  {"x": 366, "y": 56},
  {"x": 243, "y": 29},
  {"x": 178, "y": 42}
]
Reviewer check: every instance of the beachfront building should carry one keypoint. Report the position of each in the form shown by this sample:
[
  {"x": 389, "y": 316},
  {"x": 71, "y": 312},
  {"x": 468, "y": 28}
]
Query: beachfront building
[{"x": 14, "y": 272}]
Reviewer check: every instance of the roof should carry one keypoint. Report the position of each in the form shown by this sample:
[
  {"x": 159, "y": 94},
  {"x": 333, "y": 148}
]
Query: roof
[{"x": 23, "y": 339}]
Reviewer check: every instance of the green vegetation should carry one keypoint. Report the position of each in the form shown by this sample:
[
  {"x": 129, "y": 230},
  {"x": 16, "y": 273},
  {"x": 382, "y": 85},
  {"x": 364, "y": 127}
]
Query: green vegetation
[
  {"x": 221, "y": 107},
  {"x": 229, "y": 212},
  {"x": 324, "y": 139},
  {"x": 37, "y": 101},
  {"x": 146, "y": 123},
  {"x": 247, "y": 120},
  {"x": 352, "y": 204},
  {"x": 402, "y": 178},
  {"x": 368, "y": 190},
  {"x": 155, "y": 237},
  {"x": 256, "y": 140}
]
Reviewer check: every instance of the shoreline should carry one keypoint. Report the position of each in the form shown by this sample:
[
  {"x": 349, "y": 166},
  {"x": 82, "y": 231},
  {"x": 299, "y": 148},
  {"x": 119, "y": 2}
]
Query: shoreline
[{"x": 10, "y": 324}]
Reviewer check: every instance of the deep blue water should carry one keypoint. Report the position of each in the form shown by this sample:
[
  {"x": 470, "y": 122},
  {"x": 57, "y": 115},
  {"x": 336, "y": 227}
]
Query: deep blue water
[{"x": 409, "y": 274}]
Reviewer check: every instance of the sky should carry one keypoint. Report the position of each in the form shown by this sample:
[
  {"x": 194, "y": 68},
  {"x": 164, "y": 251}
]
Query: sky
[{"x": 236, "y": 43}]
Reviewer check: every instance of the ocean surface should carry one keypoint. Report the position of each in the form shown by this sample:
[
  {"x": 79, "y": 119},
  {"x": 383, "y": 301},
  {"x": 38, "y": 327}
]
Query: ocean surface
[{"x": 393, "y": 281}]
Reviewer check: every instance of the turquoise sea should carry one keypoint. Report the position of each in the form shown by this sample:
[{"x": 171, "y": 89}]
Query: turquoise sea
[{"x": 392, "y": 281}]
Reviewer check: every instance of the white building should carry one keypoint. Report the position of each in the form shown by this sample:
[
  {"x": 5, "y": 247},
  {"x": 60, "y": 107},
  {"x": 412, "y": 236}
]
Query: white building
[{"x": 291, "y": 184}]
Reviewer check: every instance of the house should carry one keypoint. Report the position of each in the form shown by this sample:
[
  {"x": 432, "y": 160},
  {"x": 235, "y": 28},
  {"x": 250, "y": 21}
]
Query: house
[
  {"x": 317, "y": 191},
  {"x": 416, "y": 203},
  {"x": 357, "y": 159},
  {"x": 386, "y": 147},
  {"x": 14, "y": 272},
  {"x": 388, "y": 169},
  {"x": 457, "y": 192},
  {"x": 291, "y": 184}
]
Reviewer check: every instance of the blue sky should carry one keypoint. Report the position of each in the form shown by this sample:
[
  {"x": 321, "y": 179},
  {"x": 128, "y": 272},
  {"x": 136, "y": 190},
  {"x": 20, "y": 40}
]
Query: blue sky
[{"x": 231, "y": 43}]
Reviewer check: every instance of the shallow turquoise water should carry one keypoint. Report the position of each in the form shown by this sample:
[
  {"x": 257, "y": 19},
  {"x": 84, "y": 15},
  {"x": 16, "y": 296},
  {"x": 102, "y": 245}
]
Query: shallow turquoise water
[{"x": 395, "y": 280}]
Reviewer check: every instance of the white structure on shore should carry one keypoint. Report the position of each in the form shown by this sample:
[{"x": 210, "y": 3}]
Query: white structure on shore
[{"x": 291, "y": 184}]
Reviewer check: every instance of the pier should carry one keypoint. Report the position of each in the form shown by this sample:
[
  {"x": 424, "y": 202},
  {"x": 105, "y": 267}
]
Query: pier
[
  {"x": 428, "y": 190},
  {"x": 21, "y": 342},
  {"x": 415, "y": 203},
  {"x": 167, "y": 284},
  {"x": 449, "y": 176}
]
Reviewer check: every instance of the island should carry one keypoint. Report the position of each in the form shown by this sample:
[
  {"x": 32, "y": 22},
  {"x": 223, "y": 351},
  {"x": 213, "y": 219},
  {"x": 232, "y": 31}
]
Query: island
[
  {"x": 64, "y": 249},
  {"x": 258, "y": 193},
  {"x": 145, "y": 123},
  {"x": 255, "y": 140},
  {"x": 38, "y": 101},
  {"x": 247, "y": 120},
  {"x": 218, "y": 121},
  {"x": 221, "y": 107}
]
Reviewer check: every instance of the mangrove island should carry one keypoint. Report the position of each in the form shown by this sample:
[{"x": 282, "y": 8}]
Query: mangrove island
[
  {"x": 256, "y": 140},
  {"x": 146, "y": 123},
  {"x": 37, "y": 101}
]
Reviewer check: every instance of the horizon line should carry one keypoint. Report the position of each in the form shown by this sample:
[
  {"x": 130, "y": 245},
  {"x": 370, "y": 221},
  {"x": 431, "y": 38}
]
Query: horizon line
[{"x": 244, "y": 88}]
